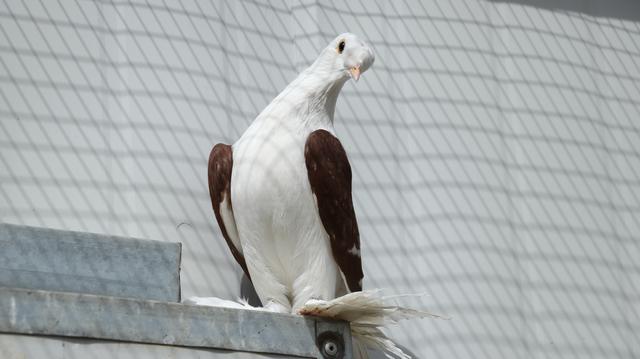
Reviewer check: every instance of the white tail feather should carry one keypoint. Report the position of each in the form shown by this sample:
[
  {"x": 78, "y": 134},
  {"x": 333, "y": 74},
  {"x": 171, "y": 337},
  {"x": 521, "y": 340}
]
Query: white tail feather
[
  {"x": 366, "y": 311},
  {"x": 221, "y": 303}
]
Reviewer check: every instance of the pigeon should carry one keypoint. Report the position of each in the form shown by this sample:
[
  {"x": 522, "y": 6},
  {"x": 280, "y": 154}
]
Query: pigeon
[{"x": 281, "y": 193}]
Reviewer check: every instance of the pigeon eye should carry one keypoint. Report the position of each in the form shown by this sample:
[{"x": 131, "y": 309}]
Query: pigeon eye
[{"x": 341, "y": 46}]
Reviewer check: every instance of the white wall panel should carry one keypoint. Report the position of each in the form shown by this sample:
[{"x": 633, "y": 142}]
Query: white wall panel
[{"x": 495, "y": 148}]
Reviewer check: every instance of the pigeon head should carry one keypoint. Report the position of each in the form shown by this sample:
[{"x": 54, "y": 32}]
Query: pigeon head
[
  {"x": 350, "y": 55},
  {"x": 313, "y": 94},
  {"x": 345, "y": 57}
]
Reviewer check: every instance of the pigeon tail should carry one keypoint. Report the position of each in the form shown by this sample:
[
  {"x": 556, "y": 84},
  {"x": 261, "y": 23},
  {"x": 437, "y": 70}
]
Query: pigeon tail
[
  {"x": 221, "y": 303},
  {"x": 367, "y": 312}
]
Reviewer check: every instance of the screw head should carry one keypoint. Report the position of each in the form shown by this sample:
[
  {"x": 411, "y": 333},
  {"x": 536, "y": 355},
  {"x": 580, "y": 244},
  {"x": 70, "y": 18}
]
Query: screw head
[
  {"x": 330, "y": 348},
  {"x": 331, "y": 345}
]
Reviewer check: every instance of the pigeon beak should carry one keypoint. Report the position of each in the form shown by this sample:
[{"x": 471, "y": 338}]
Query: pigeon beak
[{"x": 355, "y": 72}]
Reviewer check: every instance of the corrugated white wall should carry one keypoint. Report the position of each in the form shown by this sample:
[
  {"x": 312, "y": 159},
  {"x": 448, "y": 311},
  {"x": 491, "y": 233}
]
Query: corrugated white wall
[{"x": 495, "y": 148}]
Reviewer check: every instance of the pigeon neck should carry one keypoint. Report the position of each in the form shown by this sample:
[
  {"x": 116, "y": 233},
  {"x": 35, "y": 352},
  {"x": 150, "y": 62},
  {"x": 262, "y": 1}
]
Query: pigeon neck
[
  {"x": 311, "y": 97},
  {"x": 320, "y": 87},
  {"x": 323, "y": 97}
]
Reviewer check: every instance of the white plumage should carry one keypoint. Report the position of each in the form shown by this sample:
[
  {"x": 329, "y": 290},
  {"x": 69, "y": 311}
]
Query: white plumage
[
  {"x": 282, "y": 198},
  {"x": 285, "y": 245},
  {"x": 279, "y": 230}
]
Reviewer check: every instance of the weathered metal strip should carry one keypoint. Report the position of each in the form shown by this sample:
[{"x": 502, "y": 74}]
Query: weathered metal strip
[
  {"x": 56, "y": 260},
  {"x": 84, "y": 315}
]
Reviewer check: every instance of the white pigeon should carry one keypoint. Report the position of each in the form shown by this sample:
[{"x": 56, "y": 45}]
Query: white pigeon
[
  {"x": 282, "y": 193},
  {"x": 282, "y": 198}
]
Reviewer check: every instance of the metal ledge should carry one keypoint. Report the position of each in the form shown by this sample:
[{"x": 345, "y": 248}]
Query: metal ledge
[
  {"x": 81, "y": 262},
  {"x": 28, "y": 311}
]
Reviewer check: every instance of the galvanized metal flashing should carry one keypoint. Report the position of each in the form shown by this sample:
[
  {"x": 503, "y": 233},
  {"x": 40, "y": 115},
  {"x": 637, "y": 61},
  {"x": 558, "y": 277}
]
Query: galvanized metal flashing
[
  {"x": 67, "y": 261},
  {"x": 28, "y": 311},
  {"x": 86, "y": 285}
]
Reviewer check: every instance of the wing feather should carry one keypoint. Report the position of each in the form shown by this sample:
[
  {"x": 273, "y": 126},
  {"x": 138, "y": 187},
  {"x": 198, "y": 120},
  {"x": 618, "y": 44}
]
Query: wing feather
[
  {"x": 330, "y": 178},
  {"x": 220, "y": 167}
]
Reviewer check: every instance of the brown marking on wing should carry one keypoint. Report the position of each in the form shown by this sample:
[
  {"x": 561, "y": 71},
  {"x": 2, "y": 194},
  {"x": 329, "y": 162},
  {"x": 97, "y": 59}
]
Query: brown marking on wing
[
  {"x": 330, "y": 177},
  {"x": 219, "y": 173}
]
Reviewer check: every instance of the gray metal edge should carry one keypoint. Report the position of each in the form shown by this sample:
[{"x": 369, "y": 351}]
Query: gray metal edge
[
  {"x": 59, "y": 260},
  {"x": 27, "y": 311}
]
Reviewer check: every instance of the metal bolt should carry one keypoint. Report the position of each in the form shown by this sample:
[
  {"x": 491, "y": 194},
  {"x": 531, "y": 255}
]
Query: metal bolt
[
  {"x": 330, "y": 348},
  {"x": 331, "y": 345}
]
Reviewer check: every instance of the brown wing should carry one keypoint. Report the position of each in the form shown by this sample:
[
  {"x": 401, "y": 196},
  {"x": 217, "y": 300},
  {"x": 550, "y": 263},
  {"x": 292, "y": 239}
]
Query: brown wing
[
  {"x": 220, "y": 166},
  {"x": 330, "y": 177}
]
